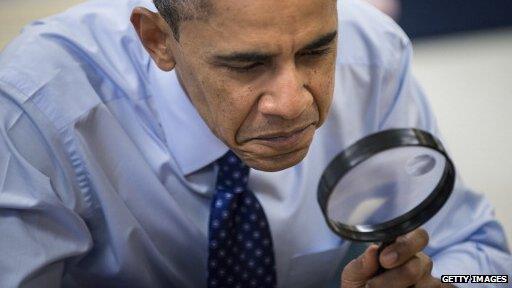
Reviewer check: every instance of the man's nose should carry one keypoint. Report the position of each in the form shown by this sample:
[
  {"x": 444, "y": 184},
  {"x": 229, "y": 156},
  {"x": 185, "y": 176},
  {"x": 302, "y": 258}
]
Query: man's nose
[{"x": 287, "y": 96}]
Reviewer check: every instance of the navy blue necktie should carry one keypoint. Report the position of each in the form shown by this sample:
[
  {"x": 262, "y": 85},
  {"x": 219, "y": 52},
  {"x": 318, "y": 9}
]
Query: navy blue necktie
[{"x": 240, "y": 243}]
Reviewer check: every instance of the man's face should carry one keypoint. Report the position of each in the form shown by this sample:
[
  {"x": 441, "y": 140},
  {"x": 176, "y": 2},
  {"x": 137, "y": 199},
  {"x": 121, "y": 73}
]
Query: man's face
[{"x": 261, "y": 75}]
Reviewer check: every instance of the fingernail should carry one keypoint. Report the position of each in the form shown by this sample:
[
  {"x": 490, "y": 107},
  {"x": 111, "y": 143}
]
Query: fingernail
[{"x": 390, "y": 257}]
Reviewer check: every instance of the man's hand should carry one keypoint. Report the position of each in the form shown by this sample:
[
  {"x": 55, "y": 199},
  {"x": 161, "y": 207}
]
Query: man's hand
[{"x": 403, "y": 260}]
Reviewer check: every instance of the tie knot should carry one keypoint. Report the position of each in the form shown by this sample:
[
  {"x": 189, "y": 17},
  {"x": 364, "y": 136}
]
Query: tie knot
[{"x": 233, "y": 173}]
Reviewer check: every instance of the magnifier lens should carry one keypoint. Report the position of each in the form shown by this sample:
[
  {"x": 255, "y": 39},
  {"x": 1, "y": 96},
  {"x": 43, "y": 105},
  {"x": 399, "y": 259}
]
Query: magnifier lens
[{"x": 386, "y": 186}]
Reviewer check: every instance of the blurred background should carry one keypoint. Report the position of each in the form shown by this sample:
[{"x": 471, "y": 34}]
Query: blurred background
[{"x": 463, "y": 59}]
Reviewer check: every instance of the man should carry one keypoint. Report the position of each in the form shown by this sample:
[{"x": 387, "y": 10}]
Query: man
[{"x": 124, "y": 149}]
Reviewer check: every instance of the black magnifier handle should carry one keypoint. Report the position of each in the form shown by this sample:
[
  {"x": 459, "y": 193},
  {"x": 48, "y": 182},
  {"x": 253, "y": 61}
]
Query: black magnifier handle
[{"x": 382, "y": 246}]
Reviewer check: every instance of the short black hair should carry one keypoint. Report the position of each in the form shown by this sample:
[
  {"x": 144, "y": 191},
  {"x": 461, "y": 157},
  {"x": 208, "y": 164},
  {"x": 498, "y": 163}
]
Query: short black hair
[{"x": 176, "y": 11}]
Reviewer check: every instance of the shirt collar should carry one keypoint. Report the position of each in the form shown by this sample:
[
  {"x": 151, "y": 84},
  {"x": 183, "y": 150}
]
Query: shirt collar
[{"x": 190, "y": 141}]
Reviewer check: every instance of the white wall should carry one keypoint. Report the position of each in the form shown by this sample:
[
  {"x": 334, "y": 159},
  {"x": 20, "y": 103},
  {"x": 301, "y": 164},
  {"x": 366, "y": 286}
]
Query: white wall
[{"x": 468, "y": 78}]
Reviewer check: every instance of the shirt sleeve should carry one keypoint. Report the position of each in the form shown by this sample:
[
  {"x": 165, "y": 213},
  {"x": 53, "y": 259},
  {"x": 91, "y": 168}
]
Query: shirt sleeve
[
  {"x": 465, "y": 236},
  {"x": 39, "y": 234}
]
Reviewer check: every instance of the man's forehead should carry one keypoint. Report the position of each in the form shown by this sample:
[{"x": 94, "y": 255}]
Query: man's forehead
[
  {"x": 270, "y": 11},
  {"x": 264, "y": 22}
]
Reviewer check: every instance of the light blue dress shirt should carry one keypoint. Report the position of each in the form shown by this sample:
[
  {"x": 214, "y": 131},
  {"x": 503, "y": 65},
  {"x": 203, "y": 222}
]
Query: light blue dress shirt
[{"x": 106, "y": 171}]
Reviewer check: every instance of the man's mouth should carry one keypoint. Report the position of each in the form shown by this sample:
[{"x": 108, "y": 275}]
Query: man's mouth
[{"x": 285, "y": 140}]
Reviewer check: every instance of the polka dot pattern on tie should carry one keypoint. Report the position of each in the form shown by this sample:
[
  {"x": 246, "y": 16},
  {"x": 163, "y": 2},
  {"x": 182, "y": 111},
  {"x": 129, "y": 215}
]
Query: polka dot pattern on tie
[{"x": 240, "y": 252}]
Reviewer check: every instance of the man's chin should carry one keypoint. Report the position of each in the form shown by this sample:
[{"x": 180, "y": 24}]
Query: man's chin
[
  {"x": 276, "y": 155},
  {"x": 278, "y": 162}
]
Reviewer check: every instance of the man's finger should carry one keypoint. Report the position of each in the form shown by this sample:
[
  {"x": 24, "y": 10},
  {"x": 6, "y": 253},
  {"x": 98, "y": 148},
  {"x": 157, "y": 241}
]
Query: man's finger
[
  {"x": 361, "y": 269},
  {"x": 404, "y": 248},
  {"x": 412, "y": 272}
]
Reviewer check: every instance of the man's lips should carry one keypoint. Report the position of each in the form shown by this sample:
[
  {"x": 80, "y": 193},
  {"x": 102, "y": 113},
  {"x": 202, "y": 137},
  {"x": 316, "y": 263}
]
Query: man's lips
[
  {"x": 281, "y": 135},
  {"x": 286, "y": 141}
]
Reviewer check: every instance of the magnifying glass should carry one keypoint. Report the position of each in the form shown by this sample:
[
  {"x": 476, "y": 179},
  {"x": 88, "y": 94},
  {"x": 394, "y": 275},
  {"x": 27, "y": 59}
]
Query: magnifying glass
[{"x": 386, "y": 185}]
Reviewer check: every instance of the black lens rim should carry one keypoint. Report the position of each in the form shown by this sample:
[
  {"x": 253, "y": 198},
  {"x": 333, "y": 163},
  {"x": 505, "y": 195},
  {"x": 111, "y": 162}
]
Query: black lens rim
[{"x": 360, "y": 152}]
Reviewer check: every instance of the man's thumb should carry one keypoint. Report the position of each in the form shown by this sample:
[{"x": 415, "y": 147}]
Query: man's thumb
[{"x": 361, "y": 269}]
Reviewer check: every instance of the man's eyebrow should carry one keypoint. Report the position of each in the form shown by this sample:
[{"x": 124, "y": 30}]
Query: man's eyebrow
[
  {"x": 321, "y": 41},
  {"x": 263, "y": 57},
  {"x": 244, "y": 57}
]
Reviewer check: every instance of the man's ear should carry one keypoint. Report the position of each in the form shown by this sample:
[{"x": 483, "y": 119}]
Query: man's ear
[{"x": 155, "y": 35}]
